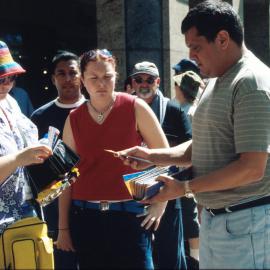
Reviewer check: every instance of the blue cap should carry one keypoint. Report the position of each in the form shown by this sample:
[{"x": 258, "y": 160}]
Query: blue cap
[{"x": 186, "y": 65}]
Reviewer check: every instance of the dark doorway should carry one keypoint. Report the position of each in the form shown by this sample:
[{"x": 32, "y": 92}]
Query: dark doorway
[{"x": 35, "y": 30}]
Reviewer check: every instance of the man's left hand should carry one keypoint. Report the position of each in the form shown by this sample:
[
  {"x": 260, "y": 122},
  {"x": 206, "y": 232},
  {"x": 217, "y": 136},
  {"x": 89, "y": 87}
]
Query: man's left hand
[{"x": 171, "y": 190}]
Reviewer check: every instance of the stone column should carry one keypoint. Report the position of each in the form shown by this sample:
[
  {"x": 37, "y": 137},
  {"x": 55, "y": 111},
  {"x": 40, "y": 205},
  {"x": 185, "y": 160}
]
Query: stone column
[
  {"x": 139, "y": 30},
  {"x": 153, "y": 33},
  {"x": 144, "y": 40},
  {"x": 256, "y": 24},
  {"x": 174, "y": 42},
  {"x": 111, "y": 33},
  {"x": 238, "y": 5}
]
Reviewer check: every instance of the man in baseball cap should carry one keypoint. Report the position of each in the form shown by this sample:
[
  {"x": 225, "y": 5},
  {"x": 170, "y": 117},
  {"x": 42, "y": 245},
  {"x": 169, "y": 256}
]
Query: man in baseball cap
[
  {"x": 186, "y": 65},
  {"x": 145, "y": 80},
  {"x": 188, "y": 83}
]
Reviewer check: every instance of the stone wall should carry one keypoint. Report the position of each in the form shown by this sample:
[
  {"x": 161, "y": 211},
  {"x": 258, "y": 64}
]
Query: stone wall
[{"x": 137, "y": 30}]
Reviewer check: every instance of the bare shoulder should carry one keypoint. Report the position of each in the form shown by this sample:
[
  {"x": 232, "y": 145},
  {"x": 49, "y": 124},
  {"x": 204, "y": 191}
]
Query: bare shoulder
[{"x": 141, "y": 105}]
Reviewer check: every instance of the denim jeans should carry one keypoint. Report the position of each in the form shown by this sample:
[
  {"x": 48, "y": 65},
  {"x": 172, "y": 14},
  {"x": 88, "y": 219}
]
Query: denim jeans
[
  {"x": 237, "y": 240},
  {"x": 110, "y": 239}
]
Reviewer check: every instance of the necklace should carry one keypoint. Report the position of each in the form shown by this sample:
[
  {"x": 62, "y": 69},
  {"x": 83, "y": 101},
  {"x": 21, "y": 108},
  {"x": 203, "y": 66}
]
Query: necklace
[{"x": 100, "y": 114}]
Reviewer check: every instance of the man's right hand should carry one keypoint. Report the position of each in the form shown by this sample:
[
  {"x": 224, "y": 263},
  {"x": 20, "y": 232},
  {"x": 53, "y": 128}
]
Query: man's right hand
[{"x": 137, "y": 151}]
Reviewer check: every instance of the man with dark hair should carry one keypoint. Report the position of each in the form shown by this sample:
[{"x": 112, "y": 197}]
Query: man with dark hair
[
  {"x": 66, "y": 78},
  {"x": 231, "y": 143}
]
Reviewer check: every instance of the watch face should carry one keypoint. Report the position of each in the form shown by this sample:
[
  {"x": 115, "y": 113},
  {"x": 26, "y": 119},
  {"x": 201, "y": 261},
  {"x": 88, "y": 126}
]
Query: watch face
[{"x": 189, "y": 194}]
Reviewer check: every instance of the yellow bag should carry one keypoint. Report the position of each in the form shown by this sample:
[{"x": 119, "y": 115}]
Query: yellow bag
[{"x": 26, "y": 245}]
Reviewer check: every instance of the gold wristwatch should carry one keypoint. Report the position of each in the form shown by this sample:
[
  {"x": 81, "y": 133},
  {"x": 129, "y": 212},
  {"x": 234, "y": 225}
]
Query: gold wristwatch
[{"x": 188, "y": 192}]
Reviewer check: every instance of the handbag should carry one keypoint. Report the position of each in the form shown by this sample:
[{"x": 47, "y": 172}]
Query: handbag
[
  {"x": 25, "y": 245},
  {"x": 49, "y": 179},
  {"x": 55, "y": 174}
]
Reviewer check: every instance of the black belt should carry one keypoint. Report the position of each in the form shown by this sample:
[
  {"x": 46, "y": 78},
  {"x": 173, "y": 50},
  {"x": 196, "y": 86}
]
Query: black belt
[
  {"x": 238, "y": 207},
  {"x": 128, "y": 206}
]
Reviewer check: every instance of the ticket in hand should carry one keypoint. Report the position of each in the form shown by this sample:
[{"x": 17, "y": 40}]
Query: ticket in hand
[
  {"x": 128, "y": 157},
  {"x": 53, "y": 134}
]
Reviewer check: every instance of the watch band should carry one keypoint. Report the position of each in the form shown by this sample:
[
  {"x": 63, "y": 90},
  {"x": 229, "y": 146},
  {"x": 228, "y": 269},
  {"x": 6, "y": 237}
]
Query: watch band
[{"x": 188, "y": 192}]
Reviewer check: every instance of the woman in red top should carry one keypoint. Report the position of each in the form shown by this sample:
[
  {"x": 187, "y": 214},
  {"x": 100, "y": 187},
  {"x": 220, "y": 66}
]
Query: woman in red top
[{"x": 97, "y": 216}]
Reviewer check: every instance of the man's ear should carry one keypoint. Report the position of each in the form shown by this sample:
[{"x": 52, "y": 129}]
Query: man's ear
[
  {"x": 53, "y": 79},
  {"x": 223, "y": 39},
  {"x": 158, "y": 81}
]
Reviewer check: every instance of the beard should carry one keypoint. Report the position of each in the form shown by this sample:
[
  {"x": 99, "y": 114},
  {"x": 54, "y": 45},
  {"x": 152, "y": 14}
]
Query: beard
[{"x": 145, "y": 93}]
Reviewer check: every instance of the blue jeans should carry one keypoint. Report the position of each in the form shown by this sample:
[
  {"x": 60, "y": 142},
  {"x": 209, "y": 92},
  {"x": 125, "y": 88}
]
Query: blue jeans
[
  {"x": 237, "y": 240},
  {"x": 110, "y": 239}
]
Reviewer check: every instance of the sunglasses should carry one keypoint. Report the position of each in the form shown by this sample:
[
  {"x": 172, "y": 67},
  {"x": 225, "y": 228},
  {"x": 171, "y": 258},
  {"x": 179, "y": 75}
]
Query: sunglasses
[
  {"x": 92, "y": 54},
  {"x": 149, "y": 80},
  {"x": 11, "y": 78}
]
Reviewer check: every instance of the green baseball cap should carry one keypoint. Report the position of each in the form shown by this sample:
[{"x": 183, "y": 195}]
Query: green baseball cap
[{"x": 189, "y": 82}]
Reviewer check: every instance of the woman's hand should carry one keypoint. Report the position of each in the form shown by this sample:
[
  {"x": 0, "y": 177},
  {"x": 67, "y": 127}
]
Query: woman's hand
[
  {"x": 33, "y": 155},
  {"x": 153, "y": 215},
  {"x": 64, "y": 241}
]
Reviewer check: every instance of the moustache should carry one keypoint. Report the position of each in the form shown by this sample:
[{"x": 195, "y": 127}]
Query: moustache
[{"x": 144, "y": 91}]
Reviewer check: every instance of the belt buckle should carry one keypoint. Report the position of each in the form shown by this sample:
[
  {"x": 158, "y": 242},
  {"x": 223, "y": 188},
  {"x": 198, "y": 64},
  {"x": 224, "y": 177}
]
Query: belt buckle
[
  {"x": 211, "y": 212},
  {"x": 104, "y": 206},
  {"x": 228, "y": 210}
]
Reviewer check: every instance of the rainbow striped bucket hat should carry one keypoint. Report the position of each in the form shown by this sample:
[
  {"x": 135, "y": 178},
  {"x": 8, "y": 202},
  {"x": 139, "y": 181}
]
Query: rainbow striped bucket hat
[{"x": 7, "y": 65}]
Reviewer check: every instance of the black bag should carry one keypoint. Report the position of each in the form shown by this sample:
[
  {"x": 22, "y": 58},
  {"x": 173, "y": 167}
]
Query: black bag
[{"x": 55, "y": 168}]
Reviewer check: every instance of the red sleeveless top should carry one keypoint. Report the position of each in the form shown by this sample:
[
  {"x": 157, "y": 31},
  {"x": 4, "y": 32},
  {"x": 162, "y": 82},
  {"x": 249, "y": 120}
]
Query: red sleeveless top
[{"x": 100, "y": 172}]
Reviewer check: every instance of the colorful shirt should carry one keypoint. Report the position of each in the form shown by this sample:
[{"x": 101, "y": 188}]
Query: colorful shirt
[{"x": 14, "y": 191}]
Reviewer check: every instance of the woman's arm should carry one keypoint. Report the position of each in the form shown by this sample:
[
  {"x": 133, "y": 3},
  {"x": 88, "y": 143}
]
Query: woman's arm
[
  {"x": 27, "y": 156},
  {"x": 64, "y": 241},
  {"x": 148, "y": 126},
  {"x": 154, "y": 137}
]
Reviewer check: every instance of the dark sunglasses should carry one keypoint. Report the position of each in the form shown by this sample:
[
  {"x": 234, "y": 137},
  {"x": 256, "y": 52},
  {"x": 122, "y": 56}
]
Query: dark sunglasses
[
  {"x": 11, "y": 78},
  {"x": 149, "y": 80}
]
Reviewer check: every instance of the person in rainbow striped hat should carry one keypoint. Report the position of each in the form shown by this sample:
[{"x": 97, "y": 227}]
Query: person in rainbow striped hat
[
  {"x": 19, "y": 147},
  {"x": 9, "y": 69}
]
